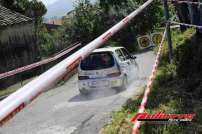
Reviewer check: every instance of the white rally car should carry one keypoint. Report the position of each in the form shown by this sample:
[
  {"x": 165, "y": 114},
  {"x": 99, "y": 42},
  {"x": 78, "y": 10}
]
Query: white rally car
[{"x": 105, "y": 68}]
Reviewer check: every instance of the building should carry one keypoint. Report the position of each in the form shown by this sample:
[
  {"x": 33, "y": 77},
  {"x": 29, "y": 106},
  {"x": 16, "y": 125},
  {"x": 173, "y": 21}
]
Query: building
[
  {"x": 17, "y": 41},
  {"x": 51, "y": 27},
  {"x": 55, "y": 21},
  {"x": 69, "y": 16}
]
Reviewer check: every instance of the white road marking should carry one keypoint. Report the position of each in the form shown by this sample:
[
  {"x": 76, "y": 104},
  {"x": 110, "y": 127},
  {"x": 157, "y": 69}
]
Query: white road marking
[{"x": 57, "y": 130}]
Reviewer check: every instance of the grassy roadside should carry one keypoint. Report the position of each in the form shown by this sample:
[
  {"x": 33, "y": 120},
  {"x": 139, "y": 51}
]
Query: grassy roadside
[
  {"x": 14, "y": 87},
  {"x": 172, "y": 92},
  {"x": 120, "y": 122}
]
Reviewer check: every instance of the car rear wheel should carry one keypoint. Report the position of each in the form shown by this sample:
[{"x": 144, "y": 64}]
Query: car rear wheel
[{"x": 124, "y": 82}]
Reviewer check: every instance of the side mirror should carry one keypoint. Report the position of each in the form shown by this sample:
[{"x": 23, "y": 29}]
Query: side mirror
[
  {"x": 121, "y": 57},
  {"x": 133, "y": 57}
]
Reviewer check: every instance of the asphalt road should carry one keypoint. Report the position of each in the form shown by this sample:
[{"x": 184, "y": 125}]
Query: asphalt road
[{"x": 64, "y": 111}]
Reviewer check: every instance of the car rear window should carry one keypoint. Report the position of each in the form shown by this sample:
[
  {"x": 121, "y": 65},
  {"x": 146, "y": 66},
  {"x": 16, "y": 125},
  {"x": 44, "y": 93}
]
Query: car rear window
[{"x": 95, "y": 61}]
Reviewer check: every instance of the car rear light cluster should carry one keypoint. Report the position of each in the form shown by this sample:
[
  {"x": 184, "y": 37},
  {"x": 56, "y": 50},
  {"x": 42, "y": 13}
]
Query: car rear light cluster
[
  {"x": 83, "y": 77},
  {"x": 114, "y": 74}
]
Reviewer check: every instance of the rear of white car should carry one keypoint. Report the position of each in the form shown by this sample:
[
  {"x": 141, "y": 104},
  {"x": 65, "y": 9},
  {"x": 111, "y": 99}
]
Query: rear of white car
[{"x": 100, "y": 70}]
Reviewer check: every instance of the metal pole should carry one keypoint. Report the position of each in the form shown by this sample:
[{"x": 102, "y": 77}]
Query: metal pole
[
  {"x": 15, "y": 102},
  {"x": 170, "y": 47}
]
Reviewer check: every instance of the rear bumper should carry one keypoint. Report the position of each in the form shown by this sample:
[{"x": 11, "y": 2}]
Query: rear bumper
[{"x": 100, "y": 83}]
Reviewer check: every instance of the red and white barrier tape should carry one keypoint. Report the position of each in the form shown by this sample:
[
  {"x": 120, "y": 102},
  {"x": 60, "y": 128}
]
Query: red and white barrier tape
[
  {"x": 185, "y": 24},
  {"x": 37, "y": 64},
  {"x": 18, "y": 100},
  {"x": 149, "y": 85},
  {"x": 186, "y": 2}
]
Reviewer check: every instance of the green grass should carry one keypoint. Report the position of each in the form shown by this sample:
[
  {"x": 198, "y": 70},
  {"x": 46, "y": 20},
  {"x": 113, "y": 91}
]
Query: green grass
[
  {"x": 167, "y": 95},
  {"x": 13, "y": 88},
  {"x": 120, "y": 122}
]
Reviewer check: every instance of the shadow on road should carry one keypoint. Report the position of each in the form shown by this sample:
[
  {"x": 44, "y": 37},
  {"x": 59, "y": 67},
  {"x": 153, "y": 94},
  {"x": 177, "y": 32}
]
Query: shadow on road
[{"x": 96, "y": 94}]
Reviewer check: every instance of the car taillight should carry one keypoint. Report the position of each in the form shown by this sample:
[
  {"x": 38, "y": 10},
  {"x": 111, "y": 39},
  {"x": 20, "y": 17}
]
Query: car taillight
[
  {"x": 114, "y": 74},
  {"x": 83, "y": 77}
]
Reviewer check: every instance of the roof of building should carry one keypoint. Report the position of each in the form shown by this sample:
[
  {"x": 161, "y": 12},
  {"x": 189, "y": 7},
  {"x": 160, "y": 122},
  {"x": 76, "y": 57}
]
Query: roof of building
[
  {"x": 55, "y": 22},
  {"x": 9, "y": 17},
  {"x": 51, "y": 26}
]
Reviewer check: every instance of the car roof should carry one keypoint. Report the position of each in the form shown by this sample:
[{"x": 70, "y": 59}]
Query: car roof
[{"x": 107, "y": 49}]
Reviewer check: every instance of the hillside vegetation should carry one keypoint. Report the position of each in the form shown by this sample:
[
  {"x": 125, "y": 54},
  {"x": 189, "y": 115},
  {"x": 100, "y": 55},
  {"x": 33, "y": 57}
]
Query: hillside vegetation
[{"x": 176, "y": 89}]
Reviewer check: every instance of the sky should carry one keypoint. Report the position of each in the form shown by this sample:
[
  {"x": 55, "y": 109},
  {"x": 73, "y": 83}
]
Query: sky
[
  {"x": 48, "y": 2},
  {"x": 58, "y": 8}
]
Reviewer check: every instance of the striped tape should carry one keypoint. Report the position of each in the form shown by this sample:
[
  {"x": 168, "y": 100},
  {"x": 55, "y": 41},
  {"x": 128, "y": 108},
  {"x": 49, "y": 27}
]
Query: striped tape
[
  {"x": 37, "y": 64},
  {"x": 148, "y": 87}
]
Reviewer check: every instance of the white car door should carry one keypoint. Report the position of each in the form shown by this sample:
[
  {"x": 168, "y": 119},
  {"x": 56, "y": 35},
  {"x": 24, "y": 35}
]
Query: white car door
[
  {"x": 128, "y": 60},
  {"x": 132, "y": 67},
  {"x": 124, "y": 63}
]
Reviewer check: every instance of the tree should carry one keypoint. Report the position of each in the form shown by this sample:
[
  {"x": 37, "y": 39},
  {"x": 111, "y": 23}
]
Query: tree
[
  {"x": 36, "y": 9},
  {"x": 90, "y": 21},
  {"x": 114, "y": 11},
  {"x": 82, "y": 26},
  {"x": 16, "y": 5},
  {"x": 107, "y": 4},
  {"x": 46, "y": 42}
]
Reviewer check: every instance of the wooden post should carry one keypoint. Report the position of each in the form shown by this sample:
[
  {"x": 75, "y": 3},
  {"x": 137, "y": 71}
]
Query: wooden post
[{"x": 168, "y": 34}]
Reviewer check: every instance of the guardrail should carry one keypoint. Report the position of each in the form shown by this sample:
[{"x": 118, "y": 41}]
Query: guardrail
[
  {"x": 37, "y": 64},
  {"x": 14, "y": 103}
]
